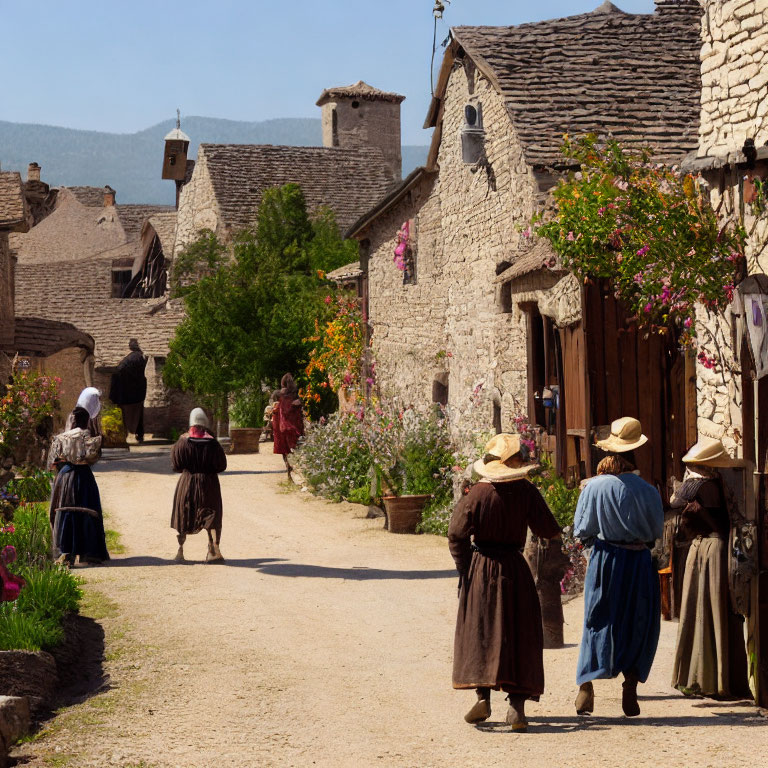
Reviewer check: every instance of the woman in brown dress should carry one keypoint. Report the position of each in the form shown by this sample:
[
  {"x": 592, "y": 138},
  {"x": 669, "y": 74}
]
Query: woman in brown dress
[
  {"x": 710, "y": 659},
  {"x": 499, "y": 642},
  {"x": 197, "y": 501}
]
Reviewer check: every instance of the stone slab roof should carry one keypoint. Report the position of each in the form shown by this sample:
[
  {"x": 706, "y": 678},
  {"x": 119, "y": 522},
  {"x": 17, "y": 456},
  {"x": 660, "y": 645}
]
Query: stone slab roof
[
  {"x": 635, "y": 76},
  {"x": 38, "y": 336},
  {"x": 349, "y": 181},
  {"x": 164, "y": 225},
  {"x": 91, "y": 196},
  {"x": 540, "y": 256},
  {"x": 132, "y": 217},
  {"x": 12, "y": 206},
  {"x": 359, "y": 90},
  {"x": 347, "y": 272}
]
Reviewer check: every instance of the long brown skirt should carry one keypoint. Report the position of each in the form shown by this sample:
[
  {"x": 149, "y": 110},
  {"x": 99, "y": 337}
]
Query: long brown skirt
[{"x": 710, "y": 658}]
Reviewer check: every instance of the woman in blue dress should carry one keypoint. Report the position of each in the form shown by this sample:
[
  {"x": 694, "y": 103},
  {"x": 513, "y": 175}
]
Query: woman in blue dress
[{"x": 622, "y": 516}]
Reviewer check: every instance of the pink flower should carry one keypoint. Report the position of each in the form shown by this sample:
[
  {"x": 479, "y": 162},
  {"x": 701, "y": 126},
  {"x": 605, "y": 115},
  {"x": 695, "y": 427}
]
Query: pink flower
[
  {"x": 687, "y": 322},
  {"x": 600, "y": 211},
  {"x": 328, "y": 299},
  {"x": 643, "y": 250},
  {"x": 570, "y": 237},
  {"x": 527, "y": 232},
  {"x": 647, "y": 308}
]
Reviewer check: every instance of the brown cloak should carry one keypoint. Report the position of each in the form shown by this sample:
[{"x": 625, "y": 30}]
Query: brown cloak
[
  {"x": 498, "y": 640},
  {"x": 197, "y": 501}
]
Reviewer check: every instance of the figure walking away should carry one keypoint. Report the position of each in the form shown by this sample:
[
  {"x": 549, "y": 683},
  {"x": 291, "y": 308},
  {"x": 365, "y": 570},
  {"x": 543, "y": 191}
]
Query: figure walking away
[
  {"x": 76, "y": 518},
  {"x": 197, "y": 505},
  {"x": 499, "y": 641},
  {"x": 287, "y": 419},
  {"x": 710, "y": 659},
  {"x": 128, "y": 389},
  {"x": 621, "y": 515}
]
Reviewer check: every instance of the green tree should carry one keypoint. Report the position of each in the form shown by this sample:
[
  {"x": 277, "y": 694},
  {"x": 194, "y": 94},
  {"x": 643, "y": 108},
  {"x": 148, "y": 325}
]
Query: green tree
[{"x": 252, "y": 308}]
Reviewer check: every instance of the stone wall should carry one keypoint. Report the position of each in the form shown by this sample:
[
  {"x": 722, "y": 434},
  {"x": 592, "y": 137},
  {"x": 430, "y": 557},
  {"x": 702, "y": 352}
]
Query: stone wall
[
  {"x": 734, "y": 97},
  {"x": 734, "y": 107},
  {"x": 372, "y": 123},
  {"x": 198, "y": 208},
  {"x": 6, "y": 293},
  {"x": 467, "y": 226}
]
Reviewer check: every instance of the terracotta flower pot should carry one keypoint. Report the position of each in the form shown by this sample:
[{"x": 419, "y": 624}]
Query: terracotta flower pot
[
  {"x": 404, "y": 512},
  {"x": 245, "y": 439}
]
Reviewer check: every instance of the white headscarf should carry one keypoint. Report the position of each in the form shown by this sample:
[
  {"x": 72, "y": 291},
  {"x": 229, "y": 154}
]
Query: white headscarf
[{"x": 89, "y": 399}]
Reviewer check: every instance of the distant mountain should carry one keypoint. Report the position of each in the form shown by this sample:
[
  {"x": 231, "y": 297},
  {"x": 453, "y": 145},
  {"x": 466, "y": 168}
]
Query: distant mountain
[{"x": 131, "y": 162}]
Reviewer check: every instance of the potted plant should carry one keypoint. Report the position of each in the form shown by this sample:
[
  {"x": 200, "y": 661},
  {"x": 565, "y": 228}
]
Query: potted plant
[
  {"x": 113, "y": 430},
  {"x": 247, "y": 412},
  {"x": 398, "y": 460}
]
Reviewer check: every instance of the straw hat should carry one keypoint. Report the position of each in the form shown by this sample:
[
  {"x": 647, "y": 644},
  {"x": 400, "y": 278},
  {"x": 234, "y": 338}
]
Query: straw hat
[
  {"x": 502, "y": 448},
  {"x": 711, "y": 453},
  {"x": 626, "y": 434},
  {"x": 197, "y": 418}
]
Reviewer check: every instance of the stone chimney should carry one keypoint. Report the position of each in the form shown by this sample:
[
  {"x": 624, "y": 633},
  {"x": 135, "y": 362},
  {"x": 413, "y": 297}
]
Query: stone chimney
[
  {"x": 359, "y": 115},
  {"x": 109, "y": 196},
  {"x": 33, "y": 172}
]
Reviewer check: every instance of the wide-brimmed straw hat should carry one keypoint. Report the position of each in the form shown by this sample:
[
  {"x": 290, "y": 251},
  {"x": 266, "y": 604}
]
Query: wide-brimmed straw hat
[
  {"x": 498, "y": 450},
  {"x": 711, "y": 453},
  {"x": 625, "y": 434}
]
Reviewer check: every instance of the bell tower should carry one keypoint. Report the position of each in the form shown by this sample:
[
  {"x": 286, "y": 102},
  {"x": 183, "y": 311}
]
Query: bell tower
[{"x": 175, "y": 157}]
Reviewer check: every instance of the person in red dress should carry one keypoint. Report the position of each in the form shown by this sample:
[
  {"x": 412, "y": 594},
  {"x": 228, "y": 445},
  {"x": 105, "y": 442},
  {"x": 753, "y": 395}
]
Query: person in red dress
[{"x": 287, "y": 420}]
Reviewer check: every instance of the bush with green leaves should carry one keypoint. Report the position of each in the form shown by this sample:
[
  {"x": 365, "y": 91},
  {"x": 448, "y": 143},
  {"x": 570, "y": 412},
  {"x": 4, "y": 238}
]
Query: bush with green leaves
[
  {"x": 561, "y": 499},
  {"x": 33, "y": 621},
  {"x": 32, "y": 485}
]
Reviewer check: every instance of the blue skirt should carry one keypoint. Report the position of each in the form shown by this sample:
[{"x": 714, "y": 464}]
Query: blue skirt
[
  {"x": 77, "y": 531},
  {"x": 622, "y": 614}
]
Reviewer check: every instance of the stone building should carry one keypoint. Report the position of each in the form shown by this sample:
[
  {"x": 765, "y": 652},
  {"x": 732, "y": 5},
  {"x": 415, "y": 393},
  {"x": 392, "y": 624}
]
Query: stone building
[
  {"x": 34, "y": 342},
  {"x": 470, "y": 320},
  {"x": 732, "y": 163},
  {"x": 359, "y": 162},
  {"x": 78, "y": 264}
]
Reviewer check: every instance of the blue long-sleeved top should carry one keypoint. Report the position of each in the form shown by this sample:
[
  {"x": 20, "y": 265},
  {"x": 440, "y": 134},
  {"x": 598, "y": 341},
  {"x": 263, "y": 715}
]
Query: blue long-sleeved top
[{"x": 620, "y": 508}]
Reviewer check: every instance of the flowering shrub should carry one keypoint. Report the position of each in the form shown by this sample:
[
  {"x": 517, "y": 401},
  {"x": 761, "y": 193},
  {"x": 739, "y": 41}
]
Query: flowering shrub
[
  {"x": 30, "y": 400},
  {"x": 336, "y": 359},
  {"x": 645, "y": 227},
  {"x": 400, "y": 451},
  {"x": 112, "y": 425},
  {"x": 403, "y": 246}
]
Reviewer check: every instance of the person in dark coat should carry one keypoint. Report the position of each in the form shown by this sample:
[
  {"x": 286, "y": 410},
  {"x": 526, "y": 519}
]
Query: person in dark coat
[
  {"x": 621, "y": 516},
  {"x": 499, "y": 640},
  {"x": 287, "y": 420},
  {"x": 128, "y": 389},
  {"x": 710, "y": 658},
  {"x": 197, "y": 501},
  {"x": 77, "y": 522}
]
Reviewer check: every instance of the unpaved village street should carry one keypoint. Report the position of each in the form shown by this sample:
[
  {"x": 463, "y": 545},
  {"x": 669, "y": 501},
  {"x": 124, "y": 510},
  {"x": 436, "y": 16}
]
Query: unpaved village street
[{"x": 326, "y": 641}]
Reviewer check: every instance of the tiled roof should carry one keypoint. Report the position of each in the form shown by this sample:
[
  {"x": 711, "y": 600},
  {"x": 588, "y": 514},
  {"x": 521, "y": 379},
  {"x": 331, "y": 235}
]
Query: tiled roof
[
  {"x": 635, "y": 76},
  {"x": 358, "y": 90},
  {"x": 91, "y": 196},
  {"x": 132, "y": 217},
  {"x": 164, "y": 225},
  {"x": 37, "y": 336},
  {"x": 347, "y": 272},
  {"x": 349, "y": 181},
  {"x": 12, "y": 206},
  {"x": 71, "y": 232},
  {"x": 540, "y": 256},
  {"x": 77, "y": 293}
]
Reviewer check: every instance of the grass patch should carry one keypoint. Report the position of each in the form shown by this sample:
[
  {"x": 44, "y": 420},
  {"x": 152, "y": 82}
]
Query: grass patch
[
  {"x": 97, "y": 605},
  {"x": 114, "y": 545}
]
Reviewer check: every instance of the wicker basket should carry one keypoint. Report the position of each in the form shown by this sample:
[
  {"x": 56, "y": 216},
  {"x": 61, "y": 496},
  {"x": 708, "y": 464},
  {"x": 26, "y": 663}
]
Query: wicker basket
[
  {"x": 245, "y": 439},
  {"x": 404, "y": 512}
]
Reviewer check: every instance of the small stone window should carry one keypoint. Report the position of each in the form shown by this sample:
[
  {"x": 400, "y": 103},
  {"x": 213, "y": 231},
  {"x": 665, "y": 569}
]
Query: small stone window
[
  {"x": 497, "y": 416},
  {"x": 120, "y": 280},
  {"x": 505, "y": 297},
  {"x": 355, "y": 105},
  {"x": 440, "y": 389}
]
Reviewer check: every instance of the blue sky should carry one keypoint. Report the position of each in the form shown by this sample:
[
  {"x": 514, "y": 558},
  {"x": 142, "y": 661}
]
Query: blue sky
[{"x": 125, "y": 65}]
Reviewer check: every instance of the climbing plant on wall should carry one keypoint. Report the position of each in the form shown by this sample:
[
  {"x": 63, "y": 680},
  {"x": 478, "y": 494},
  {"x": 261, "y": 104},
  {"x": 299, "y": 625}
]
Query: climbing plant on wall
[{"x": 646, "y": 228}]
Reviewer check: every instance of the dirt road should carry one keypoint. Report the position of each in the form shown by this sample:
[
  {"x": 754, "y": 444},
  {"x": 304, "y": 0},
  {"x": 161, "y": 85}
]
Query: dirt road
[{"x": 325, "y": 641}]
